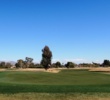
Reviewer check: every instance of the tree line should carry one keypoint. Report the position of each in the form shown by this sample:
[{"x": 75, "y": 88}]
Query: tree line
[{"x": 46, "y": 62}]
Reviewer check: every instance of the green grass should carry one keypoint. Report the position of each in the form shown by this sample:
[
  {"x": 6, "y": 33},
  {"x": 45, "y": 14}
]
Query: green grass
[
  {"x": 67, "y": 81},
  {"x": 11, "y": 89},
  {"x": 65, "y": 77}
]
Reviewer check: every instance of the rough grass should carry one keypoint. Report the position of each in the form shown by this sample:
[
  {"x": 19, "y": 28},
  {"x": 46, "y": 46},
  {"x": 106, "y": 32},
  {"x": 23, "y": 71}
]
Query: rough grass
[{"x": 55, "y": 96}]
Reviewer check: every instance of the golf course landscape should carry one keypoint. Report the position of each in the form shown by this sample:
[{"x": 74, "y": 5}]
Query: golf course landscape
[
  {"x": 54, "y": 50},
  {"x": 67, "y": 84}
]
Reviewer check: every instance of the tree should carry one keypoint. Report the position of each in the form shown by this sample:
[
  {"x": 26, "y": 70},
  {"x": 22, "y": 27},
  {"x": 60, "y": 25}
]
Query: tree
[
  {"x": 8, "y": 65},
  {"x": 28, "y": 61},
  {"x": 2, "y": 64},
  {"x": 38, "y": 65},
  {"x": 95, "y": 64},
  {"x": 106, "y": 63},
  {"x": 19, "y": 64},
  {"x": 32, "y": 65},
  {"x": 46, "y": 57},
  {"x": 85, "y": 65},
  {"x": 70, "y": 65},
  {"x": 58, "y": 64}
]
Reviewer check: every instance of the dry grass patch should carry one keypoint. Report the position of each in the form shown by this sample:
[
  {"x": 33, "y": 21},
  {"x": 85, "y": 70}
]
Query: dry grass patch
[
  {"x": 57, "y": 96},
  {"x": 51, "y": 70},
  {"x": 100, "y": 69}
]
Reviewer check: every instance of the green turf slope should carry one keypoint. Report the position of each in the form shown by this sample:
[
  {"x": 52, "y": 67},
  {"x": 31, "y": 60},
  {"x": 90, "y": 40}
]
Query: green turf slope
[{"x": 66, "y": 81}]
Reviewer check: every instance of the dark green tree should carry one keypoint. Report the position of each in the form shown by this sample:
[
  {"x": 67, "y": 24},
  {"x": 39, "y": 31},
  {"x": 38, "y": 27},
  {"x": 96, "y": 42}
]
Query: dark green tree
[
  {"x": 106, "y": 63},
  {"x": 46, "y": 57},
  {"x": 58, "y": 64},
  {"x": 2, "y": 64},
  {"x": 70, "y": 65},
  {"x": 19, "y": 64}
]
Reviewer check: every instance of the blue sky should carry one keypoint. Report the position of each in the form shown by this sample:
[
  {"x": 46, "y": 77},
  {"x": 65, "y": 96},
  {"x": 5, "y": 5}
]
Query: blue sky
[{"x": 75, "y": 30}]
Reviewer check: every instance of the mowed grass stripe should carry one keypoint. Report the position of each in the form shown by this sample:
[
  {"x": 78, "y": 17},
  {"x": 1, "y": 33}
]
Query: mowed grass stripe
[{"x": 10, "y": 88}]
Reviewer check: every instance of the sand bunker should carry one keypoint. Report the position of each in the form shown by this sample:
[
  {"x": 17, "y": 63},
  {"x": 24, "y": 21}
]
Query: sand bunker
[{"x": 53, "y": 70}]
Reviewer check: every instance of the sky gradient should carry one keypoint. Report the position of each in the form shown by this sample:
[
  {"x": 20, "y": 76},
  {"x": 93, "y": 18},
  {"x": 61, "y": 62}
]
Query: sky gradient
[{"x": 75, "y": 30}]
